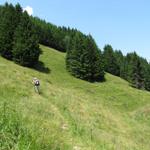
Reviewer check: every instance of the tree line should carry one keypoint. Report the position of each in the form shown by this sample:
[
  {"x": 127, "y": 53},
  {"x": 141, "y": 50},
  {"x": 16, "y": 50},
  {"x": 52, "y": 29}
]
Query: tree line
[
  {"x": 86, "y": 61},
  {"x": 131, "y": 67},
  {"x": 20, "y": 35},
  {"x": 83, "y": 58}
]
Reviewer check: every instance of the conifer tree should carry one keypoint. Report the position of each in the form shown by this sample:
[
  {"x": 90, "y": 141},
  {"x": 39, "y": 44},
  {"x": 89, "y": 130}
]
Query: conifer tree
[
  {"x": 93, "y": 62},
  {"x": 134, "y": 70},
  {"x": 119, "y": 60},
  {"x": 137, "y": 75},
  {"x": 110, "y": 62},
  {"x": 73, "y": 62},
  {"x": 124, "y": 69},
  {"x": 9, "y": 19},
  {"x": 147, "y": 78},
  {"x": 84, "y": 60},
  {"x": 26, "y": 48}
]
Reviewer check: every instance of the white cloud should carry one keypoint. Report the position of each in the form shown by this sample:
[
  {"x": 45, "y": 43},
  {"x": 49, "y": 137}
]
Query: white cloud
[{"x": 29, "y": 10}]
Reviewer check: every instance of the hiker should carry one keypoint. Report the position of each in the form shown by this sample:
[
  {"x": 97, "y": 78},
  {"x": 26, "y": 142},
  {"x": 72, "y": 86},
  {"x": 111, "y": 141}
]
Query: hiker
[{"x": 36, "y": 83}]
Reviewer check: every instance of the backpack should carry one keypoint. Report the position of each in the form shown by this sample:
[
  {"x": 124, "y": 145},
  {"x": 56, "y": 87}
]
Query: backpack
[{"x": 37, "y": 82}]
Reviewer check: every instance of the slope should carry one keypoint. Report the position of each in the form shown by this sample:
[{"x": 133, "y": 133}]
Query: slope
[{"x": 71, "y": 113}]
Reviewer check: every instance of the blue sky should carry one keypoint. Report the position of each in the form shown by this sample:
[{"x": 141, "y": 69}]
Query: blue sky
[{"x": 125, "y": 24}]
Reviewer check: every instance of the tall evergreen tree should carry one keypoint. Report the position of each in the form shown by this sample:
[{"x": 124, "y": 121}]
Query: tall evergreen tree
[
  {"x": 137, "y": 74},
  {"x": 110, "y": 62},
  {"x": 26, "y": 48},
  {"x": 84, "y": 60},
  {"x": 124, "y": 69},
  {"x": 93, "y": 62},
  {"x": 147, "y": 78},
  {"x": 9, "y": 19},
  {"x": 134, "y": 70},
  {"x": 119, "y": 60},
  {"x": 73, "y": 61}
]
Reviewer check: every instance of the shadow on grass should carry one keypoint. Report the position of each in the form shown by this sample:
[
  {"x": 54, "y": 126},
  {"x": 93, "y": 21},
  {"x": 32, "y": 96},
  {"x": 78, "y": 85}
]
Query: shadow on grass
[
  {"x": 40, "y": 66},
  {"x": 98, "y": 80}
]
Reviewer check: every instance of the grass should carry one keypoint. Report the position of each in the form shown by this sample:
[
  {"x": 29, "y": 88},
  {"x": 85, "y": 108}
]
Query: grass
[{"x": 69, "y": 114}]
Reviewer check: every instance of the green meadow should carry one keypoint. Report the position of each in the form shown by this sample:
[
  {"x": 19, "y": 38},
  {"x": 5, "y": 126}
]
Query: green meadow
[{"x": 69, "y": 113}]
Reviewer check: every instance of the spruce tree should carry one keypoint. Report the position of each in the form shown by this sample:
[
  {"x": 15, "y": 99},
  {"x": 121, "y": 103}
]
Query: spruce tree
[
  {"x": 147, "y": 78},
  {"x": 137, "y": 75},
  {"x": 93, "y": 62},
  {"x": 124, "y": 69},
  {"x": 134, "y": 70},
  {"x": 9, "y": 19},
  {"x": 26, "y": 48},
  {"x": 119, "y": 60},
  {"x": 84, "y": 59},
  {"x": 110, "y": 62},
  {"x": 73, "y": 61}
]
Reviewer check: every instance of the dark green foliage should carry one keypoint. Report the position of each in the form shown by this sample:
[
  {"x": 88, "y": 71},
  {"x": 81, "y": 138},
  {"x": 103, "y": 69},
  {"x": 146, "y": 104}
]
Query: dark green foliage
[
  {"x": 9, "y": 19},
  {"x": 133, "y": 70},
  {"x": 137, "y": 77},
  {"x": 131, "y": 67},
  {"x": 110, "y": 61},
  {"x": 44, "y": 31},
  {"x": 124, "y": 69},
  {"x": 93, "y": 60},
  {"x": 119, "y": 59},
  {"x": 84, "y": 59},
  {"x": 18, "y": 39},
  {"x": 50, "y": 35},
  {"x": 73, "y": 60},
  {"x": 26, "y": 48},
  {"x": 147, "y": 78}
]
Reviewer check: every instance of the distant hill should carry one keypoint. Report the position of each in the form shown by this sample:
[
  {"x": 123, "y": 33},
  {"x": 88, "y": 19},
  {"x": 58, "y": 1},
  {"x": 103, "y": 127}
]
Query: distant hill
[{"x": 69, "y": 114}]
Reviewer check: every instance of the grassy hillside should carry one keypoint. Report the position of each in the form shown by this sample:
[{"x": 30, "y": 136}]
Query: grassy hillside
[{"x": 69, "y": 114}]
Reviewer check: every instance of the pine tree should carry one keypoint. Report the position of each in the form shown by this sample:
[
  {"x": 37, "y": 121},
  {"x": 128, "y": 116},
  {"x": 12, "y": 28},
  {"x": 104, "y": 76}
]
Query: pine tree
[
  {"x": 73, "y": 62},
  {"x": 93, "y": 62},
  {"x": 124, "y": 69},
  {"x": 110, "y": 62},
  {"x": 84, "y": 60},
  {"x": 137, "y": 76},
  {"x": 147, "y": 78},
  {"x": 9, "y": 19},
  {"x": 26, "y": 48},
  {"x": 134, "y": 70},
  {"x": 119, "y": 61}
]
